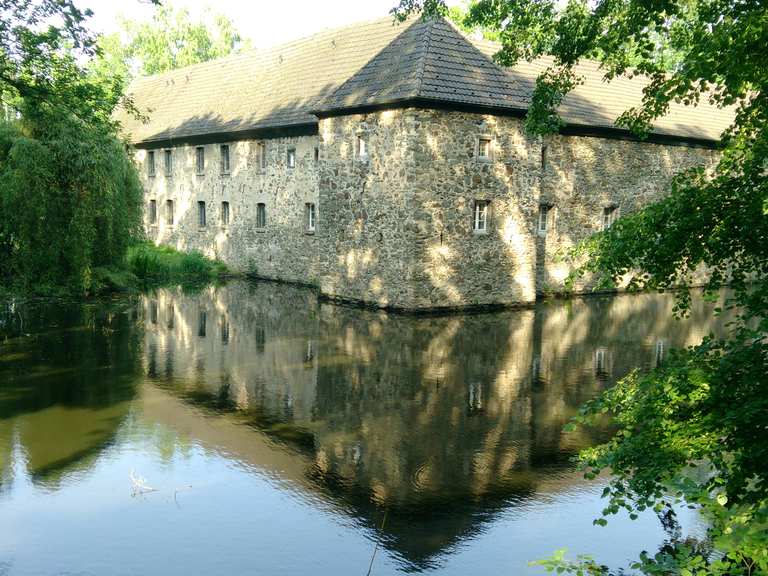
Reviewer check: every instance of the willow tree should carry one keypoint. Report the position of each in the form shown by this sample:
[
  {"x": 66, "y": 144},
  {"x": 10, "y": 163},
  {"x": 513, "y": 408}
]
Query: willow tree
[
  {"x": 70, "y": 198},
  {"x": 696, "y": 429}
]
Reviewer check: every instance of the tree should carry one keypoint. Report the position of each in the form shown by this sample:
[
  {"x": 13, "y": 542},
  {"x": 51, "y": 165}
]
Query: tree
[
  {"x": 70, "y": 198},
  {"x": 695, "y": 429},
  {"x": 170, "y": 40}
]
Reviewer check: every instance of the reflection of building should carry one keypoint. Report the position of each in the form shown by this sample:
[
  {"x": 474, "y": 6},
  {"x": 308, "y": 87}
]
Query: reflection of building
[
  {"x": 389, "y": 164},
  {"x": 462, "y": 414}
]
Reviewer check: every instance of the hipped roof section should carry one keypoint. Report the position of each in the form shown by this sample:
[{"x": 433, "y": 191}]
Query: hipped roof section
[{"x": 373, "y": 65}]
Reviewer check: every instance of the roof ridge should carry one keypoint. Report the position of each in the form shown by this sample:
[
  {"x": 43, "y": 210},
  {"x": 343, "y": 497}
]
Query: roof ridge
[{"x": 425, "y": 53}]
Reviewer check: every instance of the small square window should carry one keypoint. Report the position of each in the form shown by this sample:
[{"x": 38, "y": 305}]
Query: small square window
[
  {"x": 480, "y": 216},
  {"x": 151, "y": 163},
  {"x": 310, "y": 214},
  {"x": 261, "y": 215},
  {"x": 169, "y": 163},
  {"x": 169, "y": 212},
  {"x": 224, "y": 158},
  {"x": 153, "y": 211},
  {"x": 201, "y": 220},
  {"x": 200, "y": 159},
  {"x": 290, "y": 159},
  {"x": 544, "y": 213},
  {"x": 225, "y": 213},
  {"x": 361, "y": 147},
  {"x": 484, "y": 148},
  {"x": 610, "y": 214}
]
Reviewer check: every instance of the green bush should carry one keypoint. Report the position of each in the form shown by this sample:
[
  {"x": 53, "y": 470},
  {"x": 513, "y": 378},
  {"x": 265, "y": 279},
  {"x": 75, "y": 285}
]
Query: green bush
[{"x": 163, "y": 264}]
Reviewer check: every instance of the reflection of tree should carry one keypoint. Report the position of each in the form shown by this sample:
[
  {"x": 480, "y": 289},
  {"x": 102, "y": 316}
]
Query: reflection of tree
[
  {"x": 68, "y": 372},
  {"x": 443, "y": 421}
]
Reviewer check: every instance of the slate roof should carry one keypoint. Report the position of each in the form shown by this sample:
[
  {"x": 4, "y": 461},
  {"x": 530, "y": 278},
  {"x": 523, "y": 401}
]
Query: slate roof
[{"x": 374, "y": 64}]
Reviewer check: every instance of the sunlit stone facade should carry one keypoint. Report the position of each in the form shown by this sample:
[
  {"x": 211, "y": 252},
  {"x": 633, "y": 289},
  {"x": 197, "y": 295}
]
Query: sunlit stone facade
[{"x": 396, "y": 225}]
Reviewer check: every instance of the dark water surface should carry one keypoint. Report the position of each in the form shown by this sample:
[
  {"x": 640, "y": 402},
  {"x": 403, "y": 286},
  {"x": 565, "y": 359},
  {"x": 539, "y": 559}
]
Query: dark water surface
[{"x": 284, "y": 436}]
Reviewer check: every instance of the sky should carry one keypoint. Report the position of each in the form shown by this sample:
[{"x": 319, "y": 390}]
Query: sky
[{"x": 266, "y": 23}]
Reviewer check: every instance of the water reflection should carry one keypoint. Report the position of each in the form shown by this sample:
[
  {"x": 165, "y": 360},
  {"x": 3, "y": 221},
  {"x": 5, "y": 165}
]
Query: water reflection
[
  {"x": 68, "y": 373},
  {"x": 446, "y": 423},
  {"x": 442, "y": 421}
]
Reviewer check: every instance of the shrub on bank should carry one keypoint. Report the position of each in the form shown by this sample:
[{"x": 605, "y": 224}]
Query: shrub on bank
[{"x": 151, "y": 264}]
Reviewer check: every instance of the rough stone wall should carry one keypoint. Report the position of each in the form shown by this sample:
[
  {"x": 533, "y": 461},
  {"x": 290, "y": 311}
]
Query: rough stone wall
[
  {"x": 581, "y": 176},
  {"x": 366, "y": 229},
  {"x": 399, "y": 230},
  {"x": 457, "y": 265},
  {"x": 284, "y": 249},
  {"x": 395, "y": 228}
]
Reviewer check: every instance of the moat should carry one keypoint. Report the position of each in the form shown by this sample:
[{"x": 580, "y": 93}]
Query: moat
[{"x": 250, "y": 429}]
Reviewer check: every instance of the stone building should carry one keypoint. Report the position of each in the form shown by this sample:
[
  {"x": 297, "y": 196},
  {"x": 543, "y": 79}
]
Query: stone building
[{"x": 388, "y": 164}]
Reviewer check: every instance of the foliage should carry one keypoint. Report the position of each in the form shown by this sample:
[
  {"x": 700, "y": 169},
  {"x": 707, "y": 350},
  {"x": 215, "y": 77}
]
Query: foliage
[
  {"x": 70, "y": 201},
  {"x": 695, "y": 429},
  {"x": 155, "y": 265},
  {"x": 170, "y": 40},
  {"x": 459, "y": 15}
]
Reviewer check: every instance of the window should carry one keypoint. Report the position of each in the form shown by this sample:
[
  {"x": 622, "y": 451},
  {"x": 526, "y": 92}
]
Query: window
[
  {"x": 153, "y": 211},
  {"x": 170, "y": 319},
  {"x": 610, "y": 214},
  {"x": 361, "y": 148},
  {"x": 261, "y": 215},
  {"x": 601, "y": 366},
  {"x": 261, "y": 156},
  {"x": 169, "y": 162},
  {"x": 200, "y": 159},
  {"x": 317, "y": 154},
  {"x": 543, "y": 156},
  {"x": 225, "y": 213},
  {"x": 309, "y": 210},
  {"x": 484, "y": 148},
  {"x": 480, "y": 218},
  {"x": 201, "y": 214},
  {"x": 202, "y": 323},
  {"x": 224, "y": 331},
  {"x": 224, "y": 158},
  {"x": 544, "y": 210},
  {"x": 291, "y": 158},
  {"x": 151, "y": 163},
  {"x": 169, "y": 212}
]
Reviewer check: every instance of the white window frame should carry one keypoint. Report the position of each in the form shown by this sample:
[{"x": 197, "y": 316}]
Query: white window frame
[
  {"x": 310, "y": 214},
  {"x": 480, "y": 216},
  {"x": 261, "y": 156},
  {"x": 545, "y": 211},
  {"x": 361, "y": 147},
  {"x": 488, "y": 157},
  {"x": 290, "y": 158}
]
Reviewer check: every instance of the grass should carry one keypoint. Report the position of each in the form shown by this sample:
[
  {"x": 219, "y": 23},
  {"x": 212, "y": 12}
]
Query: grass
[{"x": 154, "y": 265}]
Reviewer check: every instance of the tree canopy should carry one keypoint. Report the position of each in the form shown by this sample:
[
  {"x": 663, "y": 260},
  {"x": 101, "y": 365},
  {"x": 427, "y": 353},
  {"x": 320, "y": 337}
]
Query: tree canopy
[
  {"x": 70, "y": 198},
  {"x": 172, "y": 39},
  {"x": 695, "y": 429}
]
